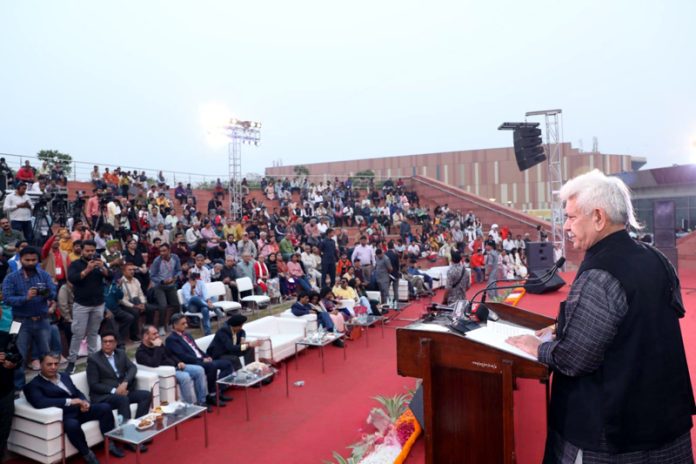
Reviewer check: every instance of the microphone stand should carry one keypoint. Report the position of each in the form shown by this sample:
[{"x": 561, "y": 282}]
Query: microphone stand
[{"x": 468, "y": 324}]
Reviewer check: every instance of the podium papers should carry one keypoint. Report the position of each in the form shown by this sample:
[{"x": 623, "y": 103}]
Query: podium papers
[{"x": 495, "y": 333}]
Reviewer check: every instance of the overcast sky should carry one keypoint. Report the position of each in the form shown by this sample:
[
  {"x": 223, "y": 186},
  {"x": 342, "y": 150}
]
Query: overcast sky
[{"x": 132, "y": 82}]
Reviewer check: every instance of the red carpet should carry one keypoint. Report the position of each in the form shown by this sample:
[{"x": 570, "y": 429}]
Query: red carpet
[{"x": 329, "y": 412}]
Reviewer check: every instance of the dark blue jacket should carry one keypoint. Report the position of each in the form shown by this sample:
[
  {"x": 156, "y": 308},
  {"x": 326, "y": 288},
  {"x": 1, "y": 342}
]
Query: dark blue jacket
[
  {"x": 181, "y": 350},
  {"x": 43, "y": 394}
]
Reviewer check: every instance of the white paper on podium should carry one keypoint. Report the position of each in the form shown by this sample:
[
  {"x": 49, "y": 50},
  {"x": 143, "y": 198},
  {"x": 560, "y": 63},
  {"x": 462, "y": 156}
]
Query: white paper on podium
[{"x": 495, "y": 333}]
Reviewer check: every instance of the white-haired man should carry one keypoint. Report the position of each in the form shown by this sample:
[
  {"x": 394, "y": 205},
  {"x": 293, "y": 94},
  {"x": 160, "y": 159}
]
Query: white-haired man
[{"x": 621, "y": 386}]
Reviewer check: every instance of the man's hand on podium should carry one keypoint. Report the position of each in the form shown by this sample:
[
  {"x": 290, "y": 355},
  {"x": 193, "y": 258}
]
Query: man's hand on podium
[{"x": 527, "y": 343}]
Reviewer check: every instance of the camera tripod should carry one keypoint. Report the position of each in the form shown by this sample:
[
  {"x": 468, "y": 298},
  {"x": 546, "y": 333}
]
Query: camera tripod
[{"x": 42, "y": 226}]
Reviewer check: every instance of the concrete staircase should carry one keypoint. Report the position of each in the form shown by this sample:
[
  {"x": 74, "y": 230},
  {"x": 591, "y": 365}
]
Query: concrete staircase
[{"x": 434, "y": 193}]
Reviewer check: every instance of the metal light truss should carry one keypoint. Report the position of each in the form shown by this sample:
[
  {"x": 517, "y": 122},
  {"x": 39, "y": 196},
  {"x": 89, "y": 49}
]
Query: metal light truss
[
  {"x": 554, "y": 155},
  {"x": 239, "y": 132}
]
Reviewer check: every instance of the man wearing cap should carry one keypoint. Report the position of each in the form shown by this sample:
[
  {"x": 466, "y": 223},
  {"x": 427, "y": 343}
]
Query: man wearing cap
[{"x": 230, "y": 343}]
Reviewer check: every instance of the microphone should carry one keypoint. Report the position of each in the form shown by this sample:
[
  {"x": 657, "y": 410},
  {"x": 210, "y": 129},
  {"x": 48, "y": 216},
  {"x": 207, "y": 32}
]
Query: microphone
[{"x": 548, "y": 275}]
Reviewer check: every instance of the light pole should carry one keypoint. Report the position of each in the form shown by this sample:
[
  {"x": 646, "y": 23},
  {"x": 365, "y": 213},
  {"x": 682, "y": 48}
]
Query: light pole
[{"x": 239, "y": 132}]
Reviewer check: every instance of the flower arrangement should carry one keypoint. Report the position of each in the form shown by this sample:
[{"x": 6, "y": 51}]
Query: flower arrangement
[{"x": 396, "y": 430}]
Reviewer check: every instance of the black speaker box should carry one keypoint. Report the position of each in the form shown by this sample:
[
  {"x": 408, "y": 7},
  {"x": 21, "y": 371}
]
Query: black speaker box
[
  {"x": 552, "y": 285},
  {"x": 539, "y": 256}
]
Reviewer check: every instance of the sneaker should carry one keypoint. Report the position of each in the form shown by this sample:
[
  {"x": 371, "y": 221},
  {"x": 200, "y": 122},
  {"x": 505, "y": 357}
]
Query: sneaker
[
  {"x": 70, "y": 368},
  {"x": 35, "y": 365}
]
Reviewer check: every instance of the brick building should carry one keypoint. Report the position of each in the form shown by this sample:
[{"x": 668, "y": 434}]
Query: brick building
[{"x": 490, "y": 173}]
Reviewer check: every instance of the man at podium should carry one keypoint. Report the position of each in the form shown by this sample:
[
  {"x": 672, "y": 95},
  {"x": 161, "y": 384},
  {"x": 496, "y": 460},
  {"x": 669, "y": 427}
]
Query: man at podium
[{"x": 621, "y": 390}]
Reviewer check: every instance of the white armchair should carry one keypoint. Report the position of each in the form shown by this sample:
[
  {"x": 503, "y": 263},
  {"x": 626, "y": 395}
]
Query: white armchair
[
  {"x": 280, "y": 335},
  {"x": 310, "y": 319},
  {"x": 38, "y": 433},
  {"x": 167, "y": 381},
  {"x": 438, "y": 272}
]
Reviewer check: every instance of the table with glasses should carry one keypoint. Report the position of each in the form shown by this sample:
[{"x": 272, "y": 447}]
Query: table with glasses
[
  {"x": 320, "y": 339},
  {"x": 366, "y": 321},
  {"x": 172, "y": 416},
  {"x": 245, "y": 379}
]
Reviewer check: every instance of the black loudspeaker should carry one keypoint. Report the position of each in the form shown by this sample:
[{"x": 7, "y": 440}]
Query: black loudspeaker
[
  {"x": 663, "y": 219},
  {"x": 552, "y": 285},
  {"x": 529, "y": 149},
  {"x": 539, "y": 256}
]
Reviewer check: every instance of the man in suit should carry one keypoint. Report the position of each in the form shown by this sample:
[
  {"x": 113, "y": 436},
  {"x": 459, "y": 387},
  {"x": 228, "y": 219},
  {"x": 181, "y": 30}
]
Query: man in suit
[
  {"x": 329, "y": 259},
  {"x": 111, "y": 379},
  {"x": 230, "y": 343},
  {"x": 53, "y": 389},
  {"x": 184, "y": 348},
  {"x": 9, "y": 359}
]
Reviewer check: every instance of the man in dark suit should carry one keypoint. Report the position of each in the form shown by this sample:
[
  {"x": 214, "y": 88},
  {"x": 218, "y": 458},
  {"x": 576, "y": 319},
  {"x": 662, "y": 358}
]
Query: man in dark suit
[
  {"x": 230, "y": 343},
  {"x": 53, "y": 389},
  {"x": 395, "y": 273},
  {"x": 111, "y": 379},
  {"x": 185, "y": 349},
  {"x": 329, "y": 258},
  {"x": 9, "y": 359}
]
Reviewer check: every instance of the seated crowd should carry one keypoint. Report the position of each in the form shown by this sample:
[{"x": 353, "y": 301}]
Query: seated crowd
[{"x": 117, "y": 272}]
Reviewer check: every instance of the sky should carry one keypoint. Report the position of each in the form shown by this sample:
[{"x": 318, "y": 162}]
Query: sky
[{"x": 137, "y": 83}]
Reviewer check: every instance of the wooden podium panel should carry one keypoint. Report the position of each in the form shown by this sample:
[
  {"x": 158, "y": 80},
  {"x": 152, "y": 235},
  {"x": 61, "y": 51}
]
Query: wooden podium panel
[{"x": 467, "y": 389}]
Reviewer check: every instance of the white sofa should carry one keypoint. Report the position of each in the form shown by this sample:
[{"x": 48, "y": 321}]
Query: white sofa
[
  {"x": 438, "y": 272},
  {"x": 38, "y": 433},
  {"x": 280, "y": 335},
  {"x": 403, "y": 290},
  {"x": 310, "y": 319}
]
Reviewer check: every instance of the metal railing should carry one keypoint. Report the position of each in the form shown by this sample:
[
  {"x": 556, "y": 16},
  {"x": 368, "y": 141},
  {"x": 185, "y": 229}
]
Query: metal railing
[{"x": 81, "y": 171}]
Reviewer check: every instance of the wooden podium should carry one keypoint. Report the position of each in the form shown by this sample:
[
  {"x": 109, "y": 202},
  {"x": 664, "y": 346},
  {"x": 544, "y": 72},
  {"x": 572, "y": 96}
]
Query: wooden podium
[{"x": 467, "y": 389}]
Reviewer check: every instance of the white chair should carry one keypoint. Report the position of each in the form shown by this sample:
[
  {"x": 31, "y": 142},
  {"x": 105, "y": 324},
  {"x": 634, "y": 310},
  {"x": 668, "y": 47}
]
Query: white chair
[
  {"x": 438, "y": 272},
  {"x": 213, "y": 315},
  {"x": 217, "y": 290},
  {"x": 38, "y": 433},
  {"x": 244, "y": 284},
  {"x": 403, "y": 290}
]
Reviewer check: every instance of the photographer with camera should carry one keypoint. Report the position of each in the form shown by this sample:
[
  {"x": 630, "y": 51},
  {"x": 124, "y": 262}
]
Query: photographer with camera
[
  {"x": 87, "y": 276},
  {"x": 28, "y": 291}
]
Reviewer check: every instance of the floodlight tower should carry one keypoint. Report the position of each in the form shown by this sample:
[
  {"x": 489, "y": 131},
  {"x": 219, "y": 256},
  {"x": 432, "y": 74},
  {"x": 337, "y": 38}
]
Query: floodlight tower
[
  {"x": 239, "y": 132},
  {"x": 554, "y": 153}
]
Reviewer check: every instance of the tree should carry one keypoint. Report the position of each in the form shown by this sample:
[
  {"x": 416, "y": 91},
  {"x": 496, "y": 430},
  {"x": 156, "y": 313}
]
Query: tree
[
  {"x": 54, "y": 157},
  {"x": 301, "y": 170},
  {"x": 361, "y": 179}
]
